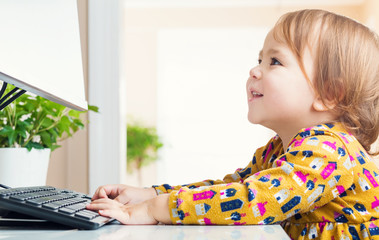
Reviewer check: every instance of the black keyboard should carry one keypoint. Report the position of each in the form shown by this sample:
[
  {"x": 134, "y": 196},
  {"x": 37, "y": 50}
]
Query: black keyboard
[{"x": 57, "y": 205}]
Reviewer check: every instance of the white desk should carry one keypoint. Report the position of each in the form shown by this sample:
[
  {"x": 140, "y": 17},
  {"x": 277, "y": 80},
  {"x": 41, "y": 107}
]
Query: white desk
[{"x": 116, "y": 231}]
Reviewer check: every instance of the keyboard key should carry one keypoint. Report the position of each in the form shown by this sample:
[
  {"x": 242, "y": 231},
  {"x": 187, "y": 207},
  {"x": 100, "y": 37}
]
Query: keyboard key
[
  {"x": 22, "y": 197},
  {"x": 63, "y": 203},
  {"x": 87, "y": 214},
  {"x": 10, "y": 192},
  {"x": 82, "y": 215},
  {"x": 66, "y": 210},
  {"x": 100, "y": 219},
  {"x": 72, "y": 201},
  {"x": 37, "y": 201},
  {"x": 52, "y": 206},
  {"x": 43, "y": 200},
  {"x": 77, "y": 207}
]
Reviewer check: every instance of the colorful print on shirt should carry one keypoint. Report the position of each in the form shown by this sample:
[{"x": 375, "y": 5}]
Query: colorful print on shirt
[{"x": 323, "y": 186}]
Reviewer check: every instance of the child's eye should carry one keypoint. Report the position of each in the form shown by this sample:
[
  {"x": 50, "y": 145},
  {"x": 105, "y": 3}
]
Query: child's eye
[
  {"x": 275, "y": 61},
  {"x": 259, "y": 61}
]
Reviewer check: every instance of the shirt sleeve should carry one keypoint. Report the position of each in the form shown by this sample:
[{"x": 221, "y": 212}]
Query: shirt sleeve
[
  {"x": 238, "y": 176},
  {"x": 309, "y": 175}
]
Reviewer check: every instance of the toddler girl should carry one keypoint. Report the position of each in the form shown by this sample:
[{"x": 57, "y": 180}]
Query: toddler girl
[{"x": 316, "y": 85}]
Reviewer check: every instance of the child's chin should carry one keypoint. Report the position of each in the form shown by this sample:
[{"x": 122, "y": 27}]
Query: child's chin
[{"x": 252, "y": 120}]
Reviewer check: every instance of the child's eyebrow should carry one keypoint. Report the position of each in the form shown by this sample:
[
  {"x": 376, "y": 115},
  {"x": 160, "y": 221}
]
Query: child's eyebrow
[{"x": 271, "y": 51}]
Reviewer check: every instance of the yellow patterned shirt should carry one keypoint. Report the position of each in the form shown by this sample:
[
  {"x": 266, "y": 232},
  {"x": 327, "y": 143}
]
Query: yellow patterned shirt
[{"x": 323, "y": 186}]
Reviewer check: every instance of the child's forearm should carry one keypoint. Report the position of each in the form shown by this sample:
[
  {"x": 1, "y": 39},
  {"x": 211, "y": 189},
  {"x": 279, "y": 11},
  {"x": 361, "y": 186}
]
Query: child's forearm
[{"x": 158, "y": 208}]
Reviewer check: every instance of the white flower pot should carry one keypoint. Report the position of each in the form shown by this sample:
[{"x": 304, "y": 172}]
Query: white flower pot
[{"x": 21, "y": 168}]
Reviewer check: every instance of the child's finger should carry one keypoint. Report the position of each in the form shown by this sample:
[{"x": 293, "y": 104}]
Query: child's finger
[
  {"x": 102, "y": 203},
  {"x": 93, "y": 206},
  {"x": 102, "y": 193},
  {"x": 106, "y": 191},
  {"x": 96, "y": 194},
  {"x": 121, "y": 216}
]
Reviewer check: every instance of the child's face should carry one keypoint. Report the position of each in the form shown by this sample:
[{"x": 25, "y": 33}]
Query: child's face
[{"x": 279, "y": 95}]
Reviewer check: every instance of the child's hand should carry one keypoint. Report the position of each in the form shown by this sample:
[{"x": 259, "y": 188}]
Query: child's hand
[
  {"x": 124, "y": 194},
  {"x": 151, "y": 211}
]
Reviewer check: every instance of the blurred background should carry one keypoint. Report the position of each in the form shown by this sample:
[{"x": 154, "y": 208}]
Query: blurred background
[{"x": 182, "y": 66}]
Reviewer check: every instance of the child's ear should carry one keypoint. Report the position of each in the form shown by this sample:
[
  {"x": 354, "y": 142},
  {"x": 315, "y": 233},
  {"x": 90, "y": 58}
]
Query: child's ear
[{"x": 322, "y": 106}]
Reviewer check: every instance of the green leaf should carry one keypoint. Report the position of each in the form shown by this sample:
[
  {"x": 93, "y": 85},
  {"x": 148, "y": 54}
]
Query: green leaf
[
  {"x": 74, "y": 113},
  {"x": 21, "y": 132},
  {"x": 6, "y": 131},
  {"x": 53, "y": 133},
  {"x": 29, "y": 115},
  {"x": 93, "y": 108},
  {"x": 21, "y": 113},
  {"x": 28, "y": 106},
  {"x": 47, "y": 122},
  {"x": 46, "y": 138},
  {"x": 79, "y": 123},
  {"x": 11, "y": 138},
  {"x": 64, "y": 125},
  {"x": 35, "y": 145}
]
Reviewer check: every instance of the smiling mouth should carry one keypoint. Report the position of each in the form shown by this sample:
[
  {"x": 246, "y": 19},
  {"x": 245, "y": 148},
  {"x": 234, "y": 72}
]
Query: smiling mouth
[{"x": 256, "y": 94}]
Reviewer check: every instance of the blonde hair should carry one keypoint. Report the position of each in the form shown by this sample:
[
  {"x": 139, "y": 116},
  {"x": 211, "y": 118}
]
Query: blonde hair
[{"x": 346, "y": 63}]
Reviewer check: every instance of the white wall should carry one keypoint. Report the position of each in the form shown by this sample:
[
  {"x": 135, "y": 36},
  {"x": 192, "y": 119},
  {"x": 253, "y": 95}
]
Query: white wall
[
  {"x": 107, "y": 129},
  {"x": 202, "y": 109}
]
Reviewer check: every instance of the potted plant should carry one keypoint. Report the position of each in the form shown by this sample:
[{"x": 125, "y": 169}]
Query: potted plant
[
  {"x": 142, "y": 147},
  {"x": 30, "y": 128}
]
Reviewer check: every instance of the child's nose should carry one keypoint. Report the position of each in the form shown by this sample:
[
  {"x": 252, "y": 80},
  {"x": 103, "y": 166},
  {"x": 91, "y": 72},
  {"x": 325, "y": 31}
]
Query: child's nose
[{"x": 255, "y": 72}]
